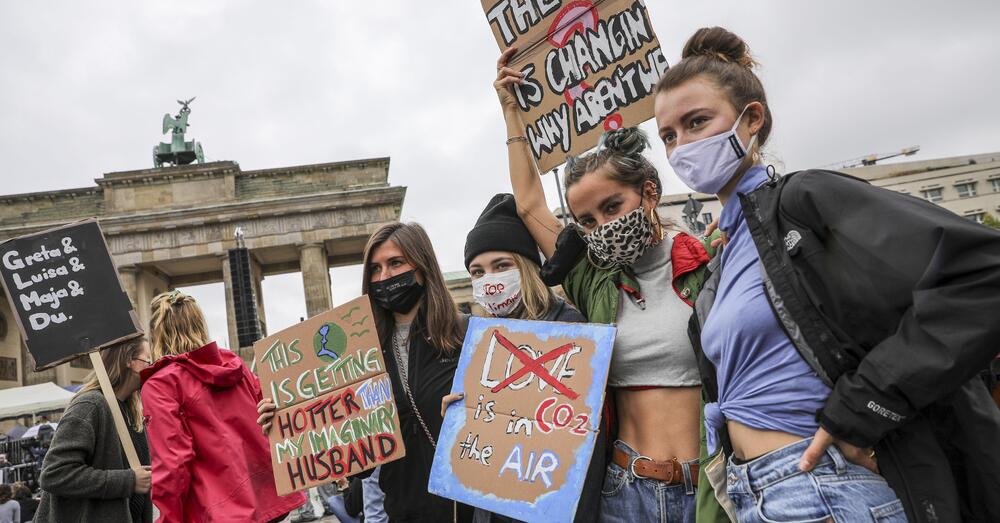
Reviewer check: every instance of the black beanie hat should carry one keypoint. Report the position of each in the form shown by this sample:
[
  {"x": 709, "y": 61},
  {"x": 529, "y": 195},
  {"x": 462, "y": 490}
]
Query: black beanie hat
[{"x": 499, "y": 228}]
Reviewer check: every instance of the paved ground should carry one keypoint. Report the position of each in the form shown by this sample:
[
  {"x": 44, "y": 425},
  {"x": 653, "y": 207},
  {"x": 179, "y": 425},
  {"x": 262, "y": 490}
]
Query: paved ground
[{"x": 326, "y": 519}]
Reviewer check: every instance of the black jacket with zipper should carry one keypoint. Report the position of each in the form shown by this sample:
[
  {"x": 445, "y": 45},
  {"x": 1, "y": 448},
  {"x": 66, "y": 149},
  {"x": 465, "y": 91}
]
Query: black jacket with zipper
[{"x": 895, "y": 303}]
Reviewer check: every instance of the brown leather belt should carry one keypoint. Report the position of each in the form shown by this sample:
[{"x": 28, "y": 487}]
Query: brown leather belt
[{"x": 670, "y": 472}]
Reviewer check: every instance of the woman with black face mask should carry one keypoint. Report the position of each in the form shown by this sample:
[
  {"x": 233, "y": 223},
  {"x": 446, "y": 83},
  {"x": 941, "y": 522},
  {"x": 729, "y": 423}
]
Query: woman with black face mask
[{"x": 421, "y": 331}]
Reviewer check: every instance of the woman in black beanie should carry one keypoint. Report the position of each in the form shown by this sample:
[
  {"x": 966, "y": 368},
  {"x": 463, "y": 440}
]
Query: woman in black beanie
[{"x": 504, "y": 263}]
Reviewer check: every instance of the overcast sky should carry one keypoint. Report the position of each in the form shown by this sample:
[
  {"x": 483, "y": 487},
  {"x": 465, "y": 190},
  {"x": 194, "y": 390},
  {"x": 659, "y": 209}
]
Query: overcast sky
[{"x": 84, "y": 85}]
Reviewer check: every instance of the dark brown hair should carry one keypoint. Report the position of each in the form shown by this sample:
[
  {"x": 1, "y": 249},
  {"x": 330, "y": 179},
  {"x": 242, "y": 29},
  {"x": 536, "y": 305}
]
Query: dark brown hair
[
  {"x": 725, "y": 59},
  {"x": 437, "y": 315},
  {"x": 621, "y": 151},
  {"x": 5, "y": 493}
]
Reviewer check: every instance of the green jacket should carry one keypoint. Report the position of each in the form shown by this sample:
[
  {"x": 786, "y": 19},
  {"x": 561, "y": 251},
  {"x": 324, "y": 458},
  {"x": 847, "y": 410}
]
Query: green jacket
[{"x": 595, "y": 292}]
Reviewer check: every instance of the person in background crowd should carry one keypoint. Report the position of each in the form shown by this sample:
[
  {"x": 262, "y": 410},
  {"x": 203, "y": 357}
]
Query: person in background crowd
[
  {"x": 333, "y": 495},
  {"x": 421, "y": 332},
  {"x": 85, "y": 475},
  {"x": 354, "y": 503},
  {"x": 618, "y": 266},
  {"x": 10, "y": 510},
  {"x": 311, "y": 510},
  {"x": 210, "y": 461},
  {"x": 29, "y": 505},
  {"x": 503, "y": 261},
  {"x": 373, "y": 499},
  {"x": 846, "y": 324}
]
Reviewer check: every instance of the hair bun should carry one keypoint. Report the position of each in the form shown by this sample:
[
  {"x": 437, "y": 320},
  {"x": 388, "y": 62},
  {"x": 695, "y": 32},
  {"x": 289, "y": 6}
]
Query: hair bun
[
  {"x": 720, "y": 44},
  {"x": 628, "y": 141}
]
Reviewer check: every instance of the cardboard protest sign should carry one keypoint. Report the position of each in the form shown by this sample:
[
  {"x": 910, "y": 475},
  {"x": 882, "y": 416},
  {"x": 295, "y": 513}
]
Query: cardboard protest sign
[
  {"x": 64, "y": 289},
  {"x": 590, "y": 66},
  {"x": 520, "y": 442},
  {"x": 336, "y": 410}
]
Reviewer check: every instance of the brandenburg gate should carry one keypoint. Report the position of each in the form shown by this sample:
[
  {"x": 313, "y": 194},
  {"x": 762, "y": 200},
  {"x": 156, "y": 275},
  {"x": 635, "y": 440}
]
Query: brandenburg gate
[{"x": 174, "y": 226}]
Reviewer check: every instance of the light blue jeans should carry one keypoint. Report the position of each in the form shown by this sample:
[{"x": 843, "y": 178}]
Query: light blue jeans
[
  {"x": 626, "y": 498},
  {"x": 772, "y": 489}
]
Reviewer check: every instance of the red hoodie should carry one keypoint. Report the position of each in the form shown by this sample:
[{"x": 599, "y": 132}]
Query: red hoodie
[{"x": 210, "y": 459}]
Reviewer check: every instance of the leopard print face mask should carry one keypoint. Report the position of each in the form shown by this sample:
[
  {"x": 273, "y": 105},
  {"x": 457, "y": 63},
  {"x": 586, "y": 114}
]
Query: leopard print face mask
[{"x": 622, "y": 240}]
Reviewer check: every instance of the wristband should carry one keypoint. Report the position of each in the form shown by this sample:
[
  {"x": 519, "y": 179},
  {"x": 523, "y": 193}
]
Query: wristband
[{"x": 516, "y": 139}]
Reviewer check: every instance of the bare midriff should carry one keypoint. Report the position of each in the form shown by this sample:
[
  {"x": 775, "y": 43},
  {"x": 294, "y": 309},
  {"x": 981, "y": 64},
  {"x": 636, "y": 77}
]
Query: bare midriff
[
  {"x": 661, "y": 423},
  {"x": 750, "y": 443}
]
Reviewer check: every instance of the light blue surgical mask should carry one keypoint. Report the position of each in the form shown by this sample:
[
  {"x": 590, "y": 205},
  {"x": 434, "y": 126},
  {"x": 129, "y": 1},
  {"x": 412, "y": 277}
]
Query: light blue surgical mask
[{"x": 708, "y": 164}]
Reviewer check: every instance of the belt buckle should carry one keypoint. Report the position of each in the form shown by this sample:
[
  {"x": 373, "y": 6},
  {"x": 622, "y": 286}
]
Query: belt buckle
[{"x": 631, "y": 465}]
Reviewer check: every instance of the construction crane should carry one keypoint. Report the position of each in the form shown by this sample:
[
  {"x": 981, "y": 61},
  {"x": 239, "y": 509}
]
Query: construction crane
[{"x": 872, "y": 159}]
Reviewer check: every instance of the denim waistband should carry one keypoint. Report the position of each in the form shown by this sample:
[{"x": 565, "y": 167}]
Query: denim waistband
[
  {"x": 685, "y": 466},
  {"x": 779, "y": 464}
]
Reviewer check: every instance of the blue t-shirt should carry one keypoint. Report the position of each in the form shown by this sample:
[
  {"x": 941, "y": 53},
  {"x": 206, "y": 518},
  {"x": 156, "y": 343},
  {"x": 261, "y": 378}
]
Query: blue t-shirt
[{"x": 763, "y": 381}]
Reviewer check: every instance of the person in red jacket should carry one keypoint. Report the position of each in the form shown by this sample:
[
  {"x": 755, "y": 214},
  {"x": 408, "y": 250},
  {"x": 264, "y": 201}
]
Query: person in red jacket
[{"x": 210, "y": 461}]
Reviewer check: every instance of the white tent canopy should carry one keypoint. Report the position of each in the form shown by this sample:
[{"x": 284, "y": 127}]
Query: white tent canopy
[{"x": 24, "y": 401}]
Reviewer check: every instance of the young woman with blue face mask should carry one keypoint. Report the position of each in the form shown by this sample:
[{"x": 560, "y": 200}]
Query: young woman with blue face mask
[
  {"x": 842, "y": 327},
  {"x": 618, "y": 265},
  {"x": 503, "y": 261}
]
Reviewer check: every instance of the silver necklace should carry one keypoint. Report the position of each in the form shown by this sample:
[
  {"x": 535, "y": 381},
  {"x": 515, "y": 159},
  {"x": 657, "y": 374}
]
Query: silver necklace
[{"x": 409, "y": 393}]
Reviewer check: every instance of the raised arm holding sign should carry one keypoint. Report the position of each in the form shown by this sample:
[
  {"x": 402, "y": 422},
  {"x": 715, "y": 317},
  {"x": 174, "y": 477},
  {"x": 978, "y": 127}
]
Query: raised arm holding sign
[{"x": 586, "y": 66}]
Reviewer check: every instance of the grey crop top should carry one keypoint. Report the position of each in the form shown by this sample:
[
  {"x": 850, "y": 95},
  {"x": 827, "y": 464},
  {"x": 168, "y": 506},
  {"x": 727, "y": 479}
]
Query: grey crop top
[{"x": 652, "y": 346}]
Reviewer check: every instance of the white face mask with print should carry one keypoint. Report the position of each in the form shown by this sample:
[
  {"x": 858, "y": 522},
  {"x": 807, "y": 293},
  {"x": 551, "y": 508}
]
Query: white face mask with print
[
  {"x": 708, "y": 164},
  {"x": 498, "y": 293}
]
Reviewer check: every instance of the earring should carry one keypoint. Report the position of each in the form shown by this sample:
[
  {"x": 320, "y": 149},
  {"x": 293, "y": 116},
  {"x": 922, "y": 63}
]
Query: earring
[{"x": 654, "y": 217}]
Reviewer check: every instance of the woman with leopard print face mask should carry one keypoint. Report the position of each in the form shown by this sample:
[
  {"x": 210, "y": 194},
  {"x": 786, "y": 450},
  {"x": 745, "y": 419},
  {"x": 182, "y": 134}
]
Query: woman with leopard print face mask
[{"x": 618, "y": 265}]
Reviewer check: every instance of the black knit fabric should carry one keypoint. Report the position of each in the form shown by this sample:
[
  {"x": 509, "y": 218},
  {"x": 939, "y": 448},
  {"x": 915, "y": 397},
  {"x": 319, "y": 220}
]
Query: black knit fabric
[{"x": 499, "y": 228}]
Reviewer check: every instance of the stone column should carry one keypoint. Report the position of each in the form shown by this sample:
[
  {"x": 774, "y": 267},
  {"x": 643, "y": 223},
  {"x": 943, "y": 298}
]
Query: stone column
[
  {"x": 129, "y": 276},
  {"x": 227, "y": 282},
  {"x": 28, "y": 374},
  {"x": 315, "y": 278}
]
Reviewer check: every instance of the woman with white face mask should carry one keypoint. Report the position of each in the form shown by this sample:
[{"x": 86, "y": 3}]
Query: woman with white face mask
[
  {"x": 503, "y": 260},
  {"x": 618, "y": 265},
  {"x": 843, "y": 327}
]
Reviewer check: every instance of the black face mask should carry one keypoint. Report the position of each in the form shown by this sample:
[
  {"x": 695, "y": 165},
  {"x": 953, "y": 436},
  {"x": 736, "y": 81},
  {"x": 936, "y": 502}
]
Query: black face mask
[{"x": 398, "y": 294}]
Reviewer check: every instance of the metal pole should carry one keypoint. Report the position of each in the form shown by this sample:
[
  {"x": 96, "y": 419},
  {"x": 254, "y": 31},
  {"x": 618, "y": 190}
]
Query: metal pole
[{"x": 562, "y": 203}]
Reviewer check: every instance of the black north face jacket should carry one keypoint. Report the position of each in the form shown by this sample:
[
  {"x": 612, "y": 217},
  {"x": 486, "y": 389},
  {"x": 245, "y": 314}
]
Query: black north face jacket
[{"x": 895, "y": 303}]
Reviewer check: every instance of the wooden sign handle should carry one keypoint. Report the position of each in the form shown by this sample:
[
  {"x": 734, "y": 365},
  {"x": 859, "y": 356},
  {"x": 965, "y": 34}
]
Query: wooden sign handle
[{"x": 116, "y": 413}]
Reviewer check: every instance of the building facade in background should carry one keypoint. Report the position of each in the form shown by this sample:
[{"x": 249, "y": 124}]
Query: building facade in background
[
  {"x": 174, "y": 226},
  {"x": 966, "y": 185}
]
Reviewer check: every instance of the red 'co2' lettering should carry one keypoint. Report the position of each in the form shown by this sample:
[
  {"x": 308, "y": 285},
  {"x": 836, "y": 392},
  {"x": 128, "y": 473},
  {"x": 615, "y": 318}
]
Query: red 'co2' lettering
[{"x": 563, "y": 416}]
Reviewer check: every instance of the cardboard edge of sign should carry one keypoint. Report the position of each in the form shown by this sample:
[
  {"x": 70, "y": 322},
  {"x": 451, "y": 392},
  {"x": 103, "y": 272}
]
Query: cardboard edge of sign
[
  {"x": 452, "y": 488},
  {"x": 17, "y": 317}
]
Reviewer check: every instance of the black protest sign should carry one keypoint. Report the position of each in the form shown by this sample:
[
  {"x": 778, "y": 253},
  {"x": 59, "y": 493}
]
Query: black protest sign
[{"x": 64, "y": 290}]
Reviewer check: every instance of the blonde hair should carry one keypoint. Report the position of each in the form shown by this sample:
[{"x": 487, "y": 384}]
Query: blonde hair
[
  {"x": 536, "y": 297},
  {"x": 116, "y": 360},
  {"x": 177, "y": 325}
]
